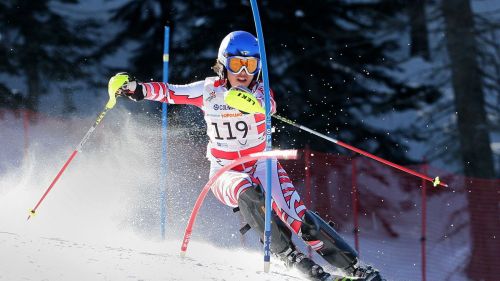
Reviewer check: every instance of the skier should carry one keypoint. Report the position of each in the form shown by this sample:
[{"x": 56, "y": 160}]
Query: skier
[{"x": 233, "y": 134}]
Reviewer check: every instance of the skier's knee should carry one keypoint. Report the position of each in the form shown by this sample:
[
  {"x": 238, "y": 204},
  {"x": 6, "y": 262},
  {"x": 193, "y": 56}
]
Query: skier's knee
[
  {"x": 252, "y": 195},
  {"x": 310, "y": 226},
  {"x": 251, "y": 206}
]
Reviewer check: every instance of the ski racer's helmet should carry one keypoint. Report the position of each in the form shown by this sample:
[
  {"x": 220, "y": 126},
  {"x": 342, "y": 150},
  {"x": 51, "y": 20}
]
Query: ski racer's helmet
[{"x": 240, "y": 44}]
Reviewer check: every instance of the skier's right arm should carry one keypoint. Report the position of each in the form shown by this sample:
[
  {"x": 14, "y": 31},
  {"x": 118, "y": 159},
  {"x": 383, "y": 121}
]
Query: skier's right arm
[{"x": 163, "y": 92}]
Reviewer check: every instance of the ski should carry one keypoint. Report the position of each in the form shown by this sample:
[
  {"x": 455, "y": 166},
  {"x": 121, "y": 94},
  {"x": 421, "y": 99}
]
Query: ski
[{"x": 345, "y": 278}]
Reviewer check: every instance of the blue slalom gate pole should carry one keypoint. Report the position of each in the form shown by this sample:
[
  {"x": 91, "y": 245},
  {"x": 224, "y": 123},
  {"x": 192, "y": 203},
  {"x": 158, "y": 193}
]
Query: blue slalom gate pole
[
  {"x": 262, "y": 50},
  {"x": 164, "y": 124}
]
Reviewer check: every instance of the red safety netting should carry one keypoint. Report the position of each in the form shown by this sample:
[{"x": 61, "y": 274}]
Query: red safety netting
[{"x": 409, "y": 232}]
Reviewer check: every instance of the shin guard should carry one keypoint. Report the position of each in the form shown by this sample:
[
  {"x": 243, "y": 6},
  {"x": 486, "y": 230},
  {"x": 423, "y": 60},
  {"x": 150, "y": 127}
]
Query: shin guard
[
  {"x": 335, "y": 250},
  {"x": 251, "y": 204}
]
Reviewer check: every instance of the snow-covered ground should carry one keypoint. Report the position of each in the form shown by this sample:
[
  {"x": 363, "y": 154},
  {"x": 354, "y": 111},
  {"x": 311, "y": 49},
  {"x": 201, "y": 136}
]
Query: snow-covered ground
[
  {"x": 31, "y": 257},
  {"x": 101, "y": 220}
]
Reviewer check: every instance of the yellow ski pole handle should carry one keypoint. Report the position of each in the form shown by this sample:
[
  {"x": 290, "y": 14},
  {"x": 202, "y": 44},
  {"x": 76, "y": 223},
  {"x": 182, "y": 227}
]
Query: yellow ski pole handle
[
  {"x": 114, "y": 86},
  {"x": 436, "y": 182}
]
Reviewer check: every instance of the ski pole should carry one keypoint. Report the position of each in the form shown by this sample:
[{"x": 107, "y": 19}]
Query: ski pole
[
  {"x": 434, "y": 181},
  {"x": 111, "y": 103}
]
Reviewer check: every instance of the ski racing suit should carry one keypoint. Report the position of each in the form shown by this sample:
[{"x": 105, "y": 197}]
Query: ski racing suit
[{"x": 232, "y": 135}]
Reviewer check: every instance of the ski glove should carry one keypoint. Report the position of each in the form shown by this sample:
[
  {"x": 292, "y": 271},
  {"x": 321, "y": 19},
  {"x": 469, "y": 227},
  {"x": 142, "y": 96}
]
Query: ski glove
[{"x": 123, "y": 84}]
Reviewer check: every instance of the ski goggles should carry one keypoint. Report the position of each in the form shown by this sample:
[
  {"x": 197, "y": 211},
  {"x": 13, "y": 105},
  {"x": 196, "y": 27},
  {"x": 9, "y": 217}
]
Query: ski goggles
[{"x": 236, "y": 64}]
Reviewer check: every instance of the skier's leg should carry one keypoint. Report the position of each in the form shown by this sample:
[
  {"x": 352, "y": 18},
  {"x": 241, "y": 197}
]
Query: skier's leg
[
  {"x": 228, "y": 187},
  {"x": 334, "y": 249},
  {"x": 252, "y": 206},
  {"x": 240, "y": 189},
  {"x": 288, "y": 210},
  {"x": 237, "y": 189},
  {"x": 308, "y": 225},
  {"x": 286, "y": 200}
]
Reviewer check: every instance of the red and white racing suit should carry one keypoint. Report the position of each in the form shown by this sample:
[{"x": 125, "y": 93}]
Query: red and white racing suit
[{"x": 232, "y": 135}]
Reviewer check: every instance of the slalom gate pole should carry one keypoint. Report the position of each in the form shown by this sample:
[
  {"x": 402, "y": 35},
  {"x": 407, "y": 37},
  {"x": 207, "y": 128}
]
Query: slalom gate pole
[
  {"x": 267, "y": 100},
  {"x": 278, "y": 154},
  {"x": 164, "y": 124},
  {"x": 423, "y": 237},
  {"x": 435, "y": 181},
  {"x": 108, "y": 106}
]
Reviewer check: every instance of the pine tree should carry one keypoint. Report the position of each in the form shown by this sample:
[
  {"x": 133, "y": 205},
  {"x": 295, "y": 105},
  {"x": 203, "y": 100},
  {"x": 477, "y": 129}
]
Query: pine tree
[
  {"x": 44, "y": 44},
  {"x": 143, "y": 23},
  {"x": 333, "y": 70},
  {"x": 474, "y": 137},
  {"x": 418, "y": 25}
]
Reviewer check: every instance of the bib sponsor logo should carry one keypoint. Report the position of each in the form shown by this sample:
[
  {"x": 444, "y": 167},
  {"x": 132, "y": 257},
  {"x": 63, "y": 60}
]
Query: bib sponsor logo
[
  {"x": 219, "y": 144},
  {"x": 226, "y": 115},
  {"x": 222, "y": 107},
  {"x": 211, "y": 96},
  {"x": 246, "y": 98}
]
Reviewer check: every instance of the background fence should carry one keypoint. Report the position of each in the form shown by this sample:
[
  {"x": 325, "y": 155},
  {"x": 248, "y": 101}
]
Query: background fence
[{"x": 425, "y": 229}]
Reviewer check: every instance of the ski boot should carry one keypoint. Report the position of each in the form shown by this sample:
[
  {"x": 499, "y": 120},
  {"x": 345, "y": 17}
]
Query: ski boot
[
  {"x": 312, "y": 270},
  {"x": 334, "y": 249},
  {"x": 252, "y": 206},
  {"x": 305, "y": 265},
  {"x": 367, "y": 273}
]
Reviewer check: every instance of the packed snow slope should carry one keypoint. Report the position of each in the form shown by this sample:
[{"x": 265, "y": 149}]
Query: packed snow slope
[
  {"x": 30, "y": 257},
  {"x": 101, "y": 220}
]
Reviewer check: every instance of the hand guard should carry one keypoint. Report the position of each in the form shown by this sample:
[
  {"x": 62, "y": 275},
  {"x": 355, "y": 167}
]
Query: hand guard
[
  {"x": 242, "y": 99},
  {"x": 123, "y": 84}
]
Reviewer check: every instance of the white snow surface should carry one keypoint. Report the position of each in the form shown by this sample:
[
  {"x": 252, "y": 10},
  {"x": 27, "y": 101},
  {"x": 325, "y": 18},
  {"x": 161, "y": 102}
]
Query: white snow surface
[
  {"x": 100, "y": 221},
  {"x": 33, "y": 257}
]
